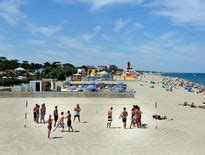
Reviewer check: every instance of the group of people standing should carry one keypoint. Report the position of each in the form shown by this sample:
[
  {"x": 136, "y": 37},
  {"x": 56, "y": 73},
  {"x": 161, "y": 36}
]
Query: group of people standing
[
  {"x": 39, "y": 112},
  {"x": 136, "y": 115},
  {"x": 58, "y": 120}
]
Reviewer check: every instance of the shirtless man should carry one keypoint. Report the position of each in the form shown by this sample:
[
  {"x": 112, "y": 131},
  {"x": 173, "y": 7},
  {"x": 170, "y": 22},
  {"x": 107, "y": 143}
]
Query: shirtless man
[
  {"x": 109, "y": 114},
  {"x": 43, "y": 113},
  {"x": 124, "y": 115},
  {"x": 77, "y": 112},
  {"x": 69, "y": 121},
  {"x": 61, "y": 122},
  {"x": 34, "y": 113},
  {"x": 55, "y": 114},
  {"x": 50, "y": 122}
]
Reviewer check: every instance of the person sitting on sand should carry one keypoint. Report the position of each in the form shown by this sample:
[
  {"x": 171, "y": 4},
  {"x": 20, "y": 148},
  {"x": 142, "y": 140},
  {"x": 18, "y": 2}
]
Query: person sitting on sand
[
  {"x": 158, "y": 117},
  {"x": 77, "y": 110},
  {"x": 55, "y": 114},
  {"x": 124, "y": 115},
  {"x": 109, "y": 114},
  {"x": 69, "y": 121},
  {"x": 43, "y": 113},
  {"x": 50, "y": 122},
  {"x": 193, "y": 105},
  {"x": 61, "y": 122}
]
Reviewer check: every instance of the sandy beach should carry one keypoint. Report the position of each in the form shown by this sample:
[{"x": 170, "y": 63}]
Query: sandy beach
[{"x": 184, "y": 135}]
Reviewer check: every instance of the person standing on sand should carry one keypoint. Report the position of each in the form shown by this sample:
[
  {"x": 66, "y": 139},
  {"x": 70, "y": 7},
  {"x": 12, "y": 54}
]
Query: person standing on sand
[
  {"x": 43, "y": 112},
  {"x": 124, "y": 115},
  {"x": 133, "y": 117},
  {"x": 69, "y": 121},
  {"x": 139, "y": 116},
  {"x": 50, "y": 122},
  {"x": 37, "y": 113},
  {"x": 60, "y": 123},
  {"x": 109, "y": 114},
  {"x": 34, "y": 113},
  {"x": 77, "y": 112},
  {"x": 55, "y": 114}
]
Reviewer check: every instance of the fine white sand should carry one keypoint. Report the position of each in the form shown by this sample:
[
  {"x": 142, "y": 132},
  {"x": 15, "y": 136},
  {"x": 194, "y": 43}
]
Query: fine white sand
[{"x": 184, "y": 135}]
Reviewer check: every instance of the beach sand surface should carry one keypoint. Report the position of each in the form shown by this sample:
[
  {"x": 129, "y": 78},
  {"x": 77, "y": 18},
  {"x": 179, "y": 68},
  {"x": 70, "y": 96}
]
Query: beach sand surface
[{"x": 184, "y": 135}]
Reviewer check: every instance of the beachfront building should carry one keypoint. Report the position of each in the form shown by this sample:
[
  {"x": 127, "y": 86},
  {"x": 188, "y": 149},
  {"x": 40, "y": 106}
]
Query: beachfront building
[{"x": 42, "y": 85}]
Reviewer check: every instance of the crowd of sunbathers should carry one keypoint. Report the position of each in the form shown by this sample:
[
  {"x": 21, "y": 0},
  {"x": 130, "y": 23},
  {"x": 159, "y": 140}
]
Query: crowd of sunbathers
[{"x": 192, "y": 105}]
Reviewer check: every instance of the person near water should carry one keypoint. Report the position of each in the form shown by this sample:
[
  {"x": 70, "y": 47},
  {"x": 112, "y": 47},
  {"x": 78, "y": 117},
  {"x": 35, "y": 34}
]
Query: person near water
[
  {"x": 124, "y": 115},
  {"x": 109, "y": 114},
  {"x": 34, "y": 113},
  {"x": 55, "y": 114},
  {"x": 60, "y": 122},
  {"x": 139, "y": 116},
  {"x": 43, "y": 113},
  {"x": 69, "y": 121},
  {"x": 77, "y": 110},
  {"x": 133, "y": 117},
  {"x": 50, "y": 122}
]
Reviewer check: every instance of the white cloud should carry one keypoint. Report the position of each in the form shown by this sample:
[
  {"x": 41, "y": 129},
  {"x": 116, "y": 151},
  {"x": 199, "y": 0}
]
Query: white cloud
[
  {"x": 37, "y": 42},
  {"x": 96, "y": 4},
  {"x": 182, "y": 12},
  {"x": 120, "y": 23},
  {"x": 10, "y": 11},
  {"x": 89, "y": 37},
  {"x": 45, "y": 30},
  {"x": 97, "y": 28}
]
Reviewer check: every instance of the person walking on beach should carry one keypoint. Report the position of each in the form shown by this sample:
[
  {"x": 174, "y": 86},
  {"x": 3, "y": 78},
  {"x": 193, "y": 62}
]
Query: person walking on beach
[
  {"x": 124, "y": 115},
  {"x": 109, "y": 114},
  {"x": 55, "y": 114},
  {"x": 60, "y": 123},
  {"x": 50, "y": 122},
  {"x": 43, "y": 113},
  {"x": 77, "y": 110},
  {"x": 69, "y": 121}
]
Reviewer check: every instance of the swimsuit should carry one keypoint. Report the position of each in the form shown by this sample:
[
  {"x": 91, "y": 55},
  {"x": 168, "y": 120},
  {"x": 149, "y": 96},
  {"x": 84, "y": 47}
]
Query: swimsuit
[
  {"x": 69, "y": 123},
  {"x": 109, "y": 119},
  {"x": 49, "y": 127}
]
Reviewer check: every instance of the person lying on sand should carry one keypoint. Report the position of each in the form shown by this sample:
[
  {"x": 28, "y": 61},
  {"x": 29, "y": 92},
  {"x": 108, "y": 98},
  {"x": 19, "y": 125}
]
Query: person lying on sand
[
  {"x": 61, "y": 122},
  {"x": 158, "y": 117},
  {"x": 109, "y": 114},
  {"x": 124, "y": 115},
  {"x": 50, "y": 122},
  {"x": 201, "y": 106},
  {"x": 69, "y": 121}
]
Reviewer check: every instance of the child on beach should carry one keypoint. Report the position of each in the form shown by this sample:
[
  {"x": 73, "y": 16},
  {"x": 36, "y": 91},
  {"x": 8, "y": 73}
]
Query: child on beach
[
  {"x": 43, "y": 112},
  {"x": 69, "y": 121},
  {"x": 109, "y": 114},
  {"x": 77, "y": 110},
  {"x": 124, "y": 115},
  {"x": 55, "y": 114},
  {"x": 61, "y": 122},
  {"x": 50, "y": 122}
]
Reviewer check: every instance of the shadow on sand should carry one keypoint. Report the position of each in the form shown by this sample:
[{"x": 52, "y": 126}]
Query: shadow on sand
[{"x": 56, "y": 137}]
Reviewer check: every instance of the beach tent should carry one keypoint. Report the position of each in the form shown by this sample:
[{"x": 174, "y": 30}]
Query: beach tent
[
  {"x": 91, "y": 88},
  {"x": 72, "y": 88}
]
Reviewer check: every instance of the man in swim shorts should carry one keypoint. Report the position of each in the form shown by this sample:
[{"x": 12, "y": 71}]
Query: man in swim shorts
[
  {"x": 61, "y": 122},
  {"x": 69, "y": 121},
  {"x": 109, "y": 114},
  {"x": 124, "y": 115},
  {"x": 50, "y": 122},
  {"x": 77, "y": 112},
  {"x": 55, "y": 114}
]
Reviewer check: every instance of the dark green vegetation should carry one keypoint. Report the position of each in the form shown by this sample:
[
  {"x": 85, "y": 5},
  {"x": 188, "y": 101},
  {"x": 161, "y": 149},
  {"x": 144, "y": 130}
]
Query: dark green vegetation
[{"x": 33, "y": 71}]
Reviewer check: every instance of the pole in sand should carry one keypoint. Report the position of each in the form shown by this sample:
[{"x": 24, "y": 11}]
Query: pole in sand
[
  {"x": 156, "y": 127},
  {"x": 25, "y": 114}
]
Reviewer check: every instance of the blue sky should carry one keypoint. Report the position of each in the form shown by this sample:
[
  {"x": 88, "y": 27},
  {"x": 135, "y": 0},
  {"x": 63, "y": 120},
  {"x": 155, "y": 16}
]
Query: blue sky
[{"x": 160, "y": 35}]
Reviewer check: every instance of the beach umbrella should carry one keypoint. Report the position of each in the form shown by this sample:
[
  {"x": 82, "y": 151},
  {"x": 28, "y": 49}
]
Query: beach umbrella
[
  {"x": 91, "y": 88},
  {"x": 72, "y": 88}
]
